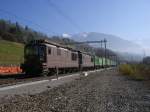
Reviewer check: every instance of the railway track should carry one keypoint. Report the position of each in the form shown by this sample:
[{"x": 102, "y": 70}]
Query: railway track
[
  {"x": 22, "y": 78},
  {"x": 42, "y": 84},
  {"x": 16, "y": 79}
]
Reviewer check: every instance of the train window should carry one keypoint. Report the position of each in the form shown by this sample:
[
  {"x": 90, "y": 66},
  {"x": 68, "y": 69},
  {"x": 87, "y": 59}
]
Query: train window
[
  {"x": 74, "y": 56},
  {"x": 31, "y": 50},
  {"x": 42, "y": 55},
  {"x": 58, "y": 51},
  {"x": 49, "y": 50}
]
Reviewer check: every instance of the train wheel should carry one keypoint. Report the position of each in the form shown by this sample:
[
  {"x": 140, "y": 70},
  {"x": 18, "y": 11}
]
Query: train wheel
[{"x": 45, "y": 72}]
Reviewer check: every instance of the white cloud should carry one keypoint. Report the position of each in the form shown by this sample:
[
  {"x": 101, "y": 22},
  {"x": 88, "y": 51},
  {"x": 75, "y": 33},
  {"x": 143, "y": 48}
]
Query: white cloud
[
  {"x": 66, "y": 35},
  {"x": 84, "y": 34}
]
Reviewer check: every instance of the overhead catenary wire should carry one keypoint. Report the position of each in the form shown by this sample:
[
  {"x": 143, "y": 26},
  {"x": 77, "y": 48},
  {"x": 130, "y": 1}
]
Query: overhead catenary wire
[
  {"x": 64, "y": 15},
  {"x": 57, "y": 9}
]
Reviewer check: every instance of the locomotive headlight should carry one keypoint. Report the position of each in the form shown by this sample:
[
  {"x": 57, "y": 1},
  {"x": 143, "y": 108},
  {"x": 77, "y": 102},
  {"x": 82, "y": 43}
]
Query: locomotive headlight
[{"x": 44, "y": 64}]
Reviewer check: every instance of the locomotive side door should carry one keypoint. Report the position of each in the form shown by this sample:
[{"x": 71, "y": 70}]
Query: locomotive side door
[{"x": 80, "y": 60}]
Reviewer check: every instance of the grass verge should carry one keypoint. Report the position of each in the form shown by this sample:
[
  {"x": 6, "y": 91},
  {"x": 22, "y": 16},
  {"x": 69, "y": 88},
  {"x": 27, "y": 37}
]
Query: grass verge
[
  {"x": 135, "y": 71},
  {"x": 11, "y": 52}
]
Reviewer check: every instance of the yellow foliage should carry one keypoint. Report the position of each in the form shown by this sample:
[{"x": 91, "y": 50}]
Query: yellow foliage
[
  {"x": 126, "y": 69},
  {"x": 132, "y": 71}
]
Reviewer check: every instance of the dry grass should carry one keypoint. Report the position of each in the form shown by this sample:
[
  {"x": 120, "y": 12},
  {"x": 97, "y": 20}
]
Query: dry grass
[{"x": 136, "y": 71}]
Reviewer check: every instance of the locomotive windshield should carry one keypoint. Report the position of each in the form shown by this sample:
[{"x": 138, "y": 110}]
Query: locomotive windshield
[{"x": 36, "y": 50}]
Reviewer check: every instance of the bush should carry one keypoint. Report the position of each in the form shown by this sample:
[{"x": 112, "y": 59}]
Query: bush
[
  {"x": 135, "y": 71},
  {"x": 126, "y": 69}
]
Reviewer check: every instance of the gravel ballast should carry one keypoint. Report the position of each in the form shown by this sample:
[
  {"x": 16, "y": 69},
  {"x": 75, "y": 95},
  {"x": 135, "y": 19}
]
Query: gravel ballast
[{"x": 105, "y": 91}]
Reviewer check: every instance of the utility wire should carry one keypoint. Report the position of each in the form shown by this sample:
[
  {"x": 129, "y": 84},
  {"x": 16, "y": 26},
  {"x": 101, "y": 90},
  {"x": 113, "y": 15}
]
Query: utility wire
[
  {"x": 59, "y": 11},
  {"x": 23, "y": 19}
]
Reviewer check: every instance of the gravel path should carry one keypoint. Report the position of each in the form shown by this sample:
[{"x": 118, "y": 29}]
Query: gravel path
[
  {"x": 21, "y": 78},
  {"x": 99, "y": 92}
]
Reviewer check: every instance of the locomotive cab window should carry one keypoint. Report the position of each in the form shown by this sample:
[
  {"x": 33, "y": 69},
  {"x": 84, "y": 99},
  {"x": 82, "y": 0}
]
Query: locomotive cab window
[
  {"x": 36, "y": 51},
  {"x": 74, "y": 56}
]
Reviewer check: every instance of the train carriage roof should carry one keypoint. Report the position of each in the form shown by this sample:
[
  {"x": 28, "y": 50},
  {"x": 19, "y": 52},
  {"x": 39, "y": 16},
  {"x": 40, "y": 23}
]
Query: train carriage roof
[{"x": 42, "y": 41}]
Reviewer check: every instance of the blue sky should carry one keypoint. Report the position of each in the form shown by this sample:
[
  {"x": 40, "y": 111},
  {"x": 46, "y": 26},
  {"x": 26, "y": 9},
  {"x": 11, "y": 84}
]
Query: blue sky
[{"x": 129, "y": 19}]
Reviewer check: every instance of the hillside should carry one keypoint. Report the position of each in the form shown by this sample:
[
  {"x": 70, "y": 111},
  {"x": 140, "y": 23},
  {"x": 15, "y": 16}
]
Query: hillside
[
  {"x": 17, "y": 33},
  {"x": 11, "y": 52},
  {"x": 114, "y": 43},
  {"x": 15, "y": 36}
]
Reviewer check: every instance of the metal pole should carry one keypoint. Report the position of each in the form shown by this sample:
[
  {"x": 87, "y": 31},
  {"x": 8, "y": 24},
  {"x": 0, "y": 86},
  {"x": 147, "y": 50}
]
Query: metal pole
[
  {"x": 109, "y": 63},
  {"x": 102, "y": 51},
  {"x": 57, "y": 72},
  {"x": 116, "y": 60},
  {"x": 109, "y": 60},
  {"x": 93, "y": 56},
  {"x": 114, "y": 64},
  {"x": 105, "y": 52}
]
